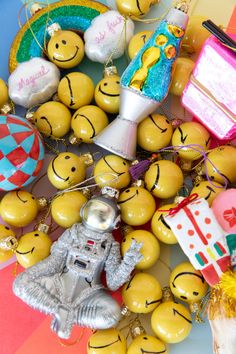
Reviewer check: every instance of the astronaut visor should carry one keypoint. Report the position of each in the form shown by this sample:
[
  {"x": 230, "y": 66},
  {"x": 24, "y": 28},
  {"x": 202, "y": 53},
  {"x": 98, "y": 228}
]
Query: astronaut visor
[{"x": 98, "y": 215}]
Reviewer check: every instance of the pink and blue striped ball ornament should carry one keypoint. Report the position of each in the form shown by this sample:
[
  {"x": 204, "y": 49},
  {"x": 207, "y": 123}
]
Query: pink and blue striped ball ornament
[{"x": 21, "y": 152}]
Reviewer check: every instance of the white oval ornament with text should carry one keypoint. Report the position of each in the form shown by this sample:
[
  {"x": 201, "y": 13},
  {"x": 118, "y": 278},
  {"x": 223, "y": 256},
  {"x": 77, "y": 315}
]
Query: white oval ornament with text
[
  {"x": 107, "y": 36},
  {"x": 33, "y": 82}
]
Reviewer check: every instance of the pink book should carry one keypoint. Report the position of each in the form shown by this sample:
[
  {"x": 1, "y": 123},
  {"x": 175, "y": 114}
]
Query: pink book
[{"x": 210, "y": 95}]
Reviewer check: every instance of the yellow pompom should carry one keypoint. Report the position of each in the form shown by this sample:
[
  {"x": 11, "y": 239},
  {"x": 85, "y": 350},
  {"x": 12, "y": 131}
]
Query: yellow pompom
[{"x": 228, "y": 284}]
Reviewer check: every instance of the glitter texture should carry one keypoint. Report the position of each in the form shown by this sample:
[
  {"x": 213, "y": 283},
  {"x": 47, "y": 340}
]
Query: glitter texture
[
  {"x": 70, "y": 14},
  {"x": 158, "y": 76}
]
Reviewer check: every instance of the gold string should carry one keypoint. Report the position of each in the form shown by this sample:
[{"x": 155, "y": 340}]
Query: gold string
[{"x": 65, "y": 343}]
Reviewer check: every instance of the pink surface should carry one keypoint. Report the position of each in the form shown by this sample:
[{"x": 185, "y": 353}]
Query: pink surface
[
  {"x": 18, "y": 320},
  {"x": 224, "y": 208},
  {"x": 216, "y": 71}
]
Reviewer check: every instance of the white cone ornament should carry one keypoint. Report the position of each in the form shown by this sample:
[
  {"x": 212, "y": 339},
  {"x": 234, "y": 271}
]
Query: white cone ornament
[
  {"x": 108, "y": 36},
  {"x": 33, "y": 82},
  {"x": 145, "y": 83}
]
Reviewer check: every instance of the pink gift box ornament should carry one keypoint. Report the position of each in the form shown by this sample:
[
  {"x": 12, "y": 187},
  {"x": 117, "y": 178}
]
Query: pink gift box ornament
[
  {"x": 200, "y": 237},
  {"x": 211, "y": 92}
]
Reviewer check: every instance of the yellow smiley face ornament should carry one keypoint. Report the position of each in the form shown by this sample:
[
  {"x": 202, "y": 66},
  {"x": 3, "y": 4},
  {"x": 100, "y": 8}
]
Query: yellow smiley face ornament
[
  {"x": 142, "y": 294},
  {"x": 76, "y": 90},
  {"x": 137, "y": 206},
  {"x": 87, "y": 122},
  {"x": 187, "y": 134},
  {"x": 154, "y": 132},
  {"x": 107, "y": 91},
  {"x": 145, "y": 344},
  {"x": 53, "y": 119},
  {"x": 136, "y": 8},
  {"x": 65, "y": 49},
  {"x": 163, "y": 179},
  {"x": 159, "y": 226},
  {"x": 112, "y": 171},
  {"x": 150, "y": 247},
  {"x": 3, "y": 93},
  {"x": 108, "y": 341},
  {"x": 171, "y": 322},
  {"x": 32, "y": 248},
  {"x": 67, "y": 169},
  {"x": 208, "y": 190},
  {"x": 19, "y": 208},
  {"x": 187, "y": 283}
]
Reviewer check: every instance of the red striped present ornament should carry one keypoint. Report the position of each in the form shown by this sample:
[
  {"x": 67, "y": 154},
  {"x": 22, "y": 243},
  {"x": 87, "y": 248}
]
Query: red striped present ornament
[{"x": 200, "y": 237}]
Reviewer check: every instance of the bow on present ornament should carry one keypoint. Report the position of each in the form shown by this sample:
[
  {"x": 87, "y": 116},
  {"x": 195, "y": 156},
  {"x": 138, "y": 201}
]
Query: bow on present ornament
[{"x": 200, "y": 236}]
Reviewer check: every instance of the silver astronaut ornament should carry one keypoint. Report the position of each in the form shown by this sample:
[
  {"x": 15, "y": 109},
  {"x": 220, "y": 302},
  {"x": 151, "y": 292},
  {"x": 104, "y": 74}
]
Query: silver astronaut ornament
[{"x": 67, "y": 285}]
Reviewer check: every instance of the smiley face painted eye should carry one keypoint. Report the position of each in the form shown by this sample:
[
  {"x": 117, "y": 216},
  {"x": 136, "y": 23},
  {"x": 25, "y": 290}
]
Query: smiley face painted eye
[
  {"x": 57, "y": 45},
  {"x": 73, "y": 169},
  {"x": 127, "y": 191},
  {"x": 145, "y": 338},
  {"x": 105, "y": 84},
  {"x": 67, "y": 157},
  {"x": 118, "y": 82},
  {"x": 63, "y": 42},
  {"x": 36, "y": 235},
  {"x": 195, "y": 293},
  {"x": 124, "y": 163}
]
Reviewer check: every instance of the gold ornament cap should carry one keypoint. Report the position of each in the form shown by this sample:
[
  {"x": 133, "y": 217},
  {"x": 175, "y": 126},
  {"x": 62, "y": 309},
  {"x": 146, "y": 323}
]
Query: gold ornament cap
[
  {"x": 52, "y": 29},
  {"x": 74, "y": 140},
  {"x": 110, "y": 71},
  {"x": 138, "y": 183},
  {"x": 9, "y": 243},
  {"x": 185, "y": 165},
  {"x": 125, "y": 311},
  {"x": 167, "y": 294},
  {"x": 86, "y": 192},
  {"x": 110, "y": 192},
  {"x": 126, "y": 229},
  {"x": 88, "y": 159},
  {"x": 197, "y": 180},
  {"x": 137, "y": 329},
  {"x": 34, "y": 8},
  {"x": 6, "y": 108},
  {"x": 43, "y": 228},
  {"x": 182, "y": 5},
  {"x": 42, "y": 202}
]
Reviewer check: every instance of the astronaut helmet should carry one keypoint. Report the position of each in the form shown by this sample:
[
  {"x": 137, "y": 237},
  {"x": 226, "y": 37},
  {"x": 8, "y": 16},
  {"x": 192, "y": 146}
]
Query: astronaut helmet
[{"x": 102, "y": 213}]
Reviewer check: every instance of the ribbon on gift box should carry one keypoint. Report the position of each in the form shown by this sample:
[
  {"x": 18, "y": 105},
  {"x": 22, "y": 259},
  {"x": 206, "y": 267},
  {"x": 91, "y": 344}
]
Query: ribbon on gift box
[{"x": 211, "y": 97}]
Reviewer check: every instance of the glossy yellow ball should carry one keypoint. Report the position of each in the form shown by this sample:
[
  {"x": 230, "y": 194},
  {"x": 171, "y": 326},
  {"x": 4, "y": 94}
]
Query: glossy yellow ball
[
  {"x": 107, "y": 94},
  {"x": 32, "y": 248},
  {"x": 154, "y": 132},
  {"x": 3, "y": 93},
  {"x": 18, "y": 208},
  {"x": 61, "y": 208},
  {"x": 5, "y": 231},
  {"x": 137, "y": 206},
  {"x": 137, "y": 42},
  {"x": 53, "y": 119},
  {"x": 171, "y": 322},
  {"x": 112, "y": 171},
  {"x": 144, "y": 344},
  {"x": 183, "y": 70},
  {"x": 65, "y": 49},
  {"x": 195, "y": 35},
  {"x": 142, "y": 294},
  {"x": 163, "y": 179},
  {"x": 66, "y": 170},
  {"x": 108, "y": 341},
  {"x": 187, "y": 283},
  {"x": 207, "y": 190},
  {"x": 76, "y": 90},
  {"x": 160, "y": 228},
  {"x": 150, "y": 247},
  {"x": 137, "y": 8},
  {"x": 191, "y": 133},
  {"x": 87, "y": 122},
  {"x": 224, "y": 160}
]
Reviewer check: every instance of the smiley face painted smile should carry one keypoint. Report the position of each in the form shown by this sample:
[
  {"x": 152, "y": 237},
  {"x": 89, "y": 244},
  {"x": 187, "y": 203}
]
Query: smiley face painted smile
[{"x": 65, "y": 60}]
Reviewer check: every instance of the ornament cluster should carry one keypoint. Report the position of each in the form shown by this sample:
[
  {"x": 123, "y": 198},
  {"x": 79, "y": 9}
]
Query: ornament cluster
[{"x": 152, "y": 180}]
